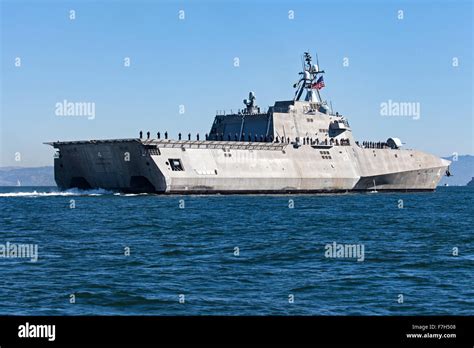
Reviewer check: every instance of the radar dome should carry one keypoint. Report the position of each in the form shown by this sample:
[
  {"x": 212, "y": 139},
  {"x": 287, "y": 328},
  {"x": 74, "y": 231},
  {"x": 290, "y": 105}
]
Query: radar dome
[{"x": 394, "y": 143}]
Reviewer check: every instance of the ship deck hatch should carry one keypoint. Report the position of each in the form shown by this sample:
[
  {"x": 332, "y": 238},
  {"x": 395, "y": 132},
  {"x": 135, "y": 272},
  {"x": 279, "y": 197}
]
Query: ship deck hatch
[{"x": 176, "y": 164}]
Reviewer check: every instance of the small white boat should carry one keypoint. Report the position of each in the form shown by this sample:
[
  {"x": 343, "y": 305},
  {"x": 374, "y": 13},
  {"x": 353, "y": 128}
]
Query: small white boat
[{"x": 374, "y": 189}]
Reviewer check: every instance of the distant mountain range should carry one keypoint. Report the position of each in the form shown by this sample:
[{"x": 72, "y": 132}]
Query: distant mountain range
[
  {"x": 20, "y": 176},
  {"x": 462, "y": 171}
]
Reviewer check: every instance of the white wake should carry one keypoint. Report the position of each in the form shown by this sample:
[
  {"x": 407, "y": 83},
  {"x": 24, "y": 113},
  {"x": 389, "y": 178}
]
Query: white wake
[{"x": 70, "y": 192}]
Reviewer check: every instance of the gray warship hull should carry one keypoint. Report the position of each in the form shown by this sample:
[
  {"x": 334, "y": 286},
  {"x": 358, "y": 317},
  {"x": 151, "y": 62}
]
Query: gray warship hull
[{"x": 240, "y": 167}]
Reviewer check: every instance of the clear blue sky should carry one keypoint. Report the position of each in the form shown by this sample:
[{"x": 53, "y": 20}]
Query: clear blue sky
[{"x": 190, "y": 62}]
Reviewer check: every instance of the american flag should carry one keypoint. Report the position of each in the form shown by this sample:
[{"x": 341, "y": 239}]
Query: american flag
[{"x": 318, "y": 84}]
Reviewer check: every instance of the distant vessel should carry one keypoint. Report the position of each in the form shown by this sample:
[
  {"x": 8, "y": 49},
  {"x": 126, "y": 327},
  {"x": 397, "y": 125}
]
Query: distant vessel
[
  {"x": 18, "y": 183},
  {"x": 297, "y": 146},
  {"x": 374, "y": 189}
]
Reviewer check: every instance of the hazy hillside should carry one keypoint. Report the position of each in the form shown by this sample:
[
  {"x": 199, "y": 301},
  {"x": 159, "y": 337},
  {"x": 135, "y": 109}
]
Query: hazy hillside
[
  {"x": 38, "y": 176},
  {"x": 462, "y": 171}
]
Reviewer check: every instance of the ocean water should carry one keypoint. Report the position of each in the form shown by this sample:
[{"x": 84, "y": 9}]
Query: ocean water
[{"x": 237, "y": 255}]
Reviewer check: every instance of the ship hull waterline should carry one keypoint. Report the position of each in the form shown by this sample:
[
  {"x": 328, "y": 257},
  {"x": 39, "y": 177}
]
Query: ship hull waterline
[{"x": 130, "y": 166}]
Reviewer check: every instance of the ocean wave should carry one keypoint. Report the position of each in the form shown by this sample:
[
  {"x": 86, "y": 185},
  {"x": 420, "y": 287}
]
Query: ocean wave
[
  {"x": 130, "y": 194},
  {"x": 70, "y": 192}
]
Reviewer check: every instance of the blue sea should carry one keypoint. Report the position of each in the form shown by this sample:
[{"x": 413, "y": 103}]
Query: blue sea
[{"x": 105, "y": 253}]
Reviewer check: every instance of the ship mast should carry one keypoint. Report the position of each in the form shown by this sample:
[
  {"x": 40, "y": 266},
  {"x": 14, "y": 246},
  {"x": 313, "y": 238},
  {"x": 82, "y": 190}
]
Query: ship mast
[{"x": 308, "y": 80}]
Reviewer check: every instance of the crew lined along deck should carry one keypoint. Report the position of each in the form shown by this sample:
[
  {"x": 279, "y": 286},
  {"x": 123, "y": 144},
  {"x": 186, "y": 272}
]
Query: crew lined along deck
[
  {"x": 270, "y": 140},
  {"x": 375, "y": 145},
  {"x": 259, "y": 139},
  {"x": 278, "y": 144}
]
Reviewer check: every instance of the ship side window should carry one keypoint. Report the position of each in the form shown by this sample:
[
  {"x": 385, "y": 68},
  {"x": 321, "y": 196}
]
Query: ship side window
[{"x": 176, "y": 164}]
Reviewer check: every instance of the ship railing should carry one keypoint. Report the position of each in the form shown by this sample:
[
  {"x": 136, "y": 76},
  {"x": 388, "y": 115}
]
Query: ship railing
[
  {"x": 282, "y": 110},
  {"x": 374, "y": 145},
  {"x": 211, "y": 144},
  {"x": 240, "y": 112}
]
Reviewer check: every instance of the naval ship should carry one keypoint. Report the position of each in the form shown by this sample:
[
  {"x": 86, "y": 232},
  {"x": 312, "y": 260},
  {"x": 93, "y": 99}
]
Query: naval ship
[{"x": 296, "y": 146}]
